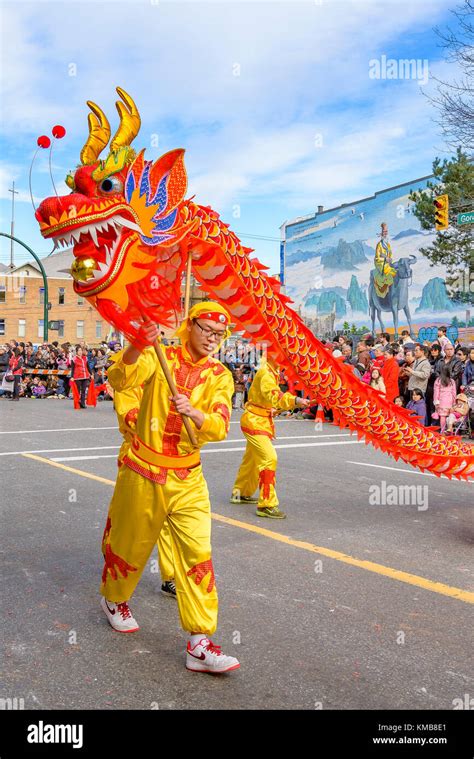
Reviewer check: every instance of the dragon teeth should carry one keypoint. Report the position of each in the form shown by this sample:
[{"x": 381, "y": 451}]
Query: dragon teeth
[{"x": 93, "y": 233}]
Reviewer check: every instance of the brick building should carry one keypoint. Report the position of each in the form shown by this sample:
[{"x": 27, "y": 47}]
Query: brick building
[{"x": 22, "y": 304}]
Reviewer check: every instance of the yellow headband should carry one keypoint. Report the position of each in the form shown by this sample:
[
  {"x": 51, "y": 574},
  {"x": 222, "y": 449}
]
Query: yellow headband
[{"x": 201, "y": 309}]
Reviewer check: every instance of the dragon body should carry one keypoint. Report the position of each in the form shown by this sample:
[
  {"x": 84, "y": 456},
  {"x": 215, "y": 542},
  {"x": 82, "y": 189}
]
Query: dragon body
[{"x": 133, "y": 230}]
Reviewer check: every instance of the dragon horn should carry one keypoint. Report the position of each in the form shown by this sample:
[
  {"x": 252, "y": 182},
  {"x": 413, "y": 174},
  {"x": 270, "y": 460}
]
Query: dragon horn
[
  {"x": 129, "y": 121},
  {"x": 99, "y": 134}
]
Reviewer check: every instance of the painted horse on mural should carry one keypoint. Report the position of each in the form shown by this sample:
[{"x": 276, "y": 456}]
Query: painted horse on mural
[
  {"x": 396, "y": 298},
  {"x": 132, "y": 230}
]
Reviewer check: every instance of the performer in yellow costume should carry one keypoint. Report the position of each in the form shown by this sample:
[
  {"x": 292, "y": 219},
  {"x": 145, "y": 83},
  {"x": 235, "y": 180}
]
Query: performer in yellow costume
[
  {"x": 384, "y": 271},
  {"x": 161, "y": 478},
  {"x": 259, "y": 463},
  {"x": 126, "y": 405}
]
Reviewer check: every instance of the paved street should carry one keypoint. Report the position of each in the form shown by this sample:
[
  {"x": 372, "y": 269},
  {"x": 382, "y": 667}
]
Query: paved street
[{"x": 347, "y": 604}]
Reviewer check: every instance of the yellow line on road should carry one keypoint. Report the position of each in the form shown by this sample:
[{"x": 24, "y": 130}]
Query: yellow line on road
[
  {"x": 68, "y": 468},
  {"x": 394, "y": 574}
]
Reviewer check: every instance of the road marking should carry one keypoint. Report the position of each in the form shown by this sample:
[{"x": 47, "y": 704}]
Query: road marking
[
  {"x": 370, "y": 566},
  {"x": 88, "y": 475},
  {"x": 219, "y": 450},
  {"x": 68, "y": 429},
  {"x": 406, "y": 471},
  {"x": 115, "y": 427},
  {"x": 116, "y": 447},
  {"x": 58, "y": 450}
]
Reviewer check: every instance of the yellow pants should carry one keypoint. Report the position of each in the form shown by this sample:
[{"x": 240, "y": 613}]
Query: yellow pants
[
  {"x": 258, "y": 469},
  {"x": 165, "y": 554},
  {"x": 137, "y": 513}
]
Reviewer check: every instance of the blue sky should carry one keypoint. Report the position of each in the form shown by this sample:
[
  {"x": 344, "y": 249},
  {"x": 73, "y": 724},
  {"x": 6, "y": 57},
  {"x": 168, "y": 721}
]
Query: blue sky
[{"x": 272, "y": 100}]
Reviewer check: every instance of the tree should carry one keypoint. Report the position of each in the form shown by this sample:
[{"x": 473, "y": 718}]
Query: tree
[
  {"x": 345, "y": 326},
  {"x": 455, "y": 100},
  {"x": 453, "y": 247}
]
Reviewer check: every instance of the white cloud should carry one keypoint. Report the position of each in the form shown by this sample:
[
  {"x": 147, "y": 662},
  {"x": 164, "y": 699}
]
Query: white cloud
[{"x": 304, "y": 70}]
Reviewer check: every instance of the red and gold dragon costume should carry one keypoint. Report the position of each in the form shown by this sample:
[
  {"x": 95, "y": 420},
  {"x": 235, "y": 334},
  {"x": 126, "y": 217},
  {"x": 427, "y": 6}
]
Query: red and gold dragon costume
[{"x": 132, "y": 231}]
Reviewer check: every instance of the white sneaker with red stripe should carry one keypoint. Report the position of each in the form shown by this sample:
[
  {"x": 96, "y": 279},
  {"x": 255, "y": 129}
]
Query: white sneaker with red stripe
[
  {"x": 206, "y": 657},
  {"x": 119, "y": 616}
]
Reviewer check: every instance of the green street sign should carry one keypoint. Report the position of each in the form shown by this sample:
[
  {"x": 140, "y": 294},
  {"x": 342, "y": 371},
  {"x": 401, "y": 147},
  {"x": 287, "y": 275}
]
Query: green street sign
[{"x": 466, "y": 218}]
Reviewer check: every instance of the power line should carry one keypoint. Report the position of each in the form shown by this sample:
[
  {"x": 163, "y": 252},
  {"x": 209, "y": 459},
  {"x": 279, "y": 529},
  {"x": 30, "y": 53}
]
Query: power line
[{"x": 257, "y": 237}]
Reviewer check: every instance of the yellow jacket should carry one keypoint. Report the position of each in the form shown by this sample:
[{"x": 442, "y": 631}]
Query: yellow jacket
[
  {"x": 160, "y": 441},
  {"x": 264, "y": 396}
]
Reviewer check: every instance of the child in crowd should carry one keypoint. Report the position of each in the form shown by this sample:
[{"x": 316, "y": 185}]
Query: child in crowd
[
  {"x": 457, "y": 412},
  {"x": 38, "y": 388},
  {"x": 444, "y": 396},
  {"x": 376, "y": 381},
  {"x": 398, "y": 401},
  {"x": 418, "y": 404}
]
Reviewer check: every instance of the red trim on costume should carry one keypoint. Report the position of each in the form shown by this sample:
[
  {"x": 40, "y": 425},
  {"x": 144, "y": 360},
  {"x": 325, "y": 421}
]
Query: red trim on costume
[
  {"x": 256, "y": 432},
  {"x": 266, "y": 478},
  {"x": 214, "y": 316},
  {"x": 112, "y": 560},
  {"x": 201, "y": 570},
  {"x": 158, "y": 477},
  {"x": 223, "y": 410},
  {"x": 75, "y": 394},
  {"x": 187, "y": 376},
  {"x": 131, "y": 418}
]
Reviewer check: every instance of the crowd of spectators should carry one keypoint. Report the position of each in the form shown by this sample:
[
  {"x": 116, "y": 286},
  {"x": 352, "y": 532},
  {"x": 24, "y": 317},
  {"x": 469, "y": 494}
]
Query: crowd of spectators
[
  {"x": 78, "y": 361},
  {"x": 433, "y": 379},
  {"x": 241, "y": 361}
]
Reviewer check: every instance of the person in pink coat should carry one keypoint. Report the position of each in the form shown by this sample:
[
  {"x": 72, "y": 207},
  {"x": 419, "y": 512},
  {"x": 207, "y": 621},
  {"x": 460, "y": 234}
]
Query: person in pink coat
[{"x": 444, "y": 396}]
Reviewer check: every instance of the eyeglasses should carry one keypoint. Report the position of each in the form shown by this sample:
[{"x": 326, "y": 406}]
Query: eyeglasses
[{"x": 210, "y": 332}]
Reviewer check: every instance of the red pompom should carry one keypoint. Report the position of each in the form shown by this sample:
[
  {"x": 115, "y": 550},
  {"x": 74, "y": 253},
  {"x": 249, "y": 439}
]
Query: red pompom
[
  {"x": 43, "y": 141},
  {"x": 58, "y": 131}
]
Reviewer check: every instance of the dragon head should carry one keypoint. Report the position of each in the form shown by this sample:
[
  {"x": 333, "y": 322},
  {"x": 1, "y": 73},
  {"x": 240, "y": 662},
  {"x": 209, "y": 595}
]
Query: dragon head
[{"x": 123, "y": 219}]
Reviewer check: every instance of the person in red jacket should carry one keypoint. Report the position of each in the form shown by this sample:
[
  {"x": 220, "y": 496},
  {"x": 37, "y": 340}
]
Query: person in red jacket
[
  {"x": 81, "y": 374},
  {"x": 15, "y": 364},
  {"x": 390, "y": 372}
]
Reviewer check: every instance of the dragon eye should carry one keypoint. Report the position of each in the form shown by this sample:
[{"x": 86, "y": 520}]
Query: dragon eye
[{"x": 110, "y": 185}]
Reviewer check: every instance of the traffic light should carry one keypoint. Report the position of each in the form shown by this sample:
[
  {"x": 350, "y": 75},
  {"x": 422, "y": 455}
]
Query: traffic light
[{"x": 441, "y": 204}]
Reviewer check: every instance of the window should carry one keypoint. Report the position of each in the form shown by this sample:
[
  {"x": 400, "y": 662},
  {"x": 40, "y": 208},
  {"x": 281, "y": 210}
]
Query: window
[
  {"x": 41, "y": 294},
  {"x": 3, "y": 294},
  {"x": 41, "y": 327},
  {"x": 60, "y": 328},
  {"x": 80, "y": 301},
  {"x": 61, "y": 292},
  {"x": 98, "y": 329},
  {"x": 21, "y": 327},
  {"x": 2, "y": 326},
  {"x": 80, "y": 329},
  {"x": 22, "y": 294}
]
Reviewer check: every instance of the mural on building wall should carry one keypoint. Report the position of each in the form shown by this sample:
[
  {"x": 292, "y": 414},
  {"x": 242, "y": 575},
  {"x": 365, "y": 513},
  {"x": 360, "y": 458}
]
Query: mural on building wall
[{"x": 362, "y": 261}]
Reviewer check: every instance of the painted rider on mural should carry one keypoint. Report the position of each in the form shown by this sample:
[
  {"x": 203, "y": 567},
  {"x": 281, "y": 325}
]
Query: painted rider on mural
[{"x": 384, "y": 272}]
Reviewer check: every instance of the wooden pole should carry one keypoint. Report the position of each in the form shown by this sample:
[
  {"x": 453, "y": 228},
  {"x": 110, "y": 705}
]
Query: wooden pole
[
  {"x": 188, "y": 285},
  {"x": 173, "y": 388}
]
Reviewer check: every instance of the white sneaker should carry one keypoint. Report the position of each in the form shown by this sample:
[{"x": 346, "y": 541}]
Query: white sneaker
[
  {"x": 119, "y": 616},
  {"x": 206, "y": 657}
]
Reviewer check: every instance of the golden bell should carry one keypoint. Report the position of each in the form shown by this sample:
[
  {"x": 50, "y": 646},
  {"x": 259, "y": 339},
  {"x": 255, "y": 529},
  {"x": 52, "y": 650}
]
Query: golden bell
[{"x": 83, "y": 269}]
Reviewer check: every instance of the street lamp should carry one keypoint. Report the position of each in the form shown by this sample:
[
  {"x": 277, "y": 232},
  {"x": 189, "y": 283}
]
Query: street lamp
[{"x": 45, "y": 281}]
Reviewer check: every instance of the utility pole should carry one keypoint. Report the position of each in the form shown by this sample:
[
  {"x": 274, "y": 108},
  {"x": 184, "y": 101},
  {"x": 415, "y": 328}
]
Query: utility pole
[{"x": 13, "y": 192}]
